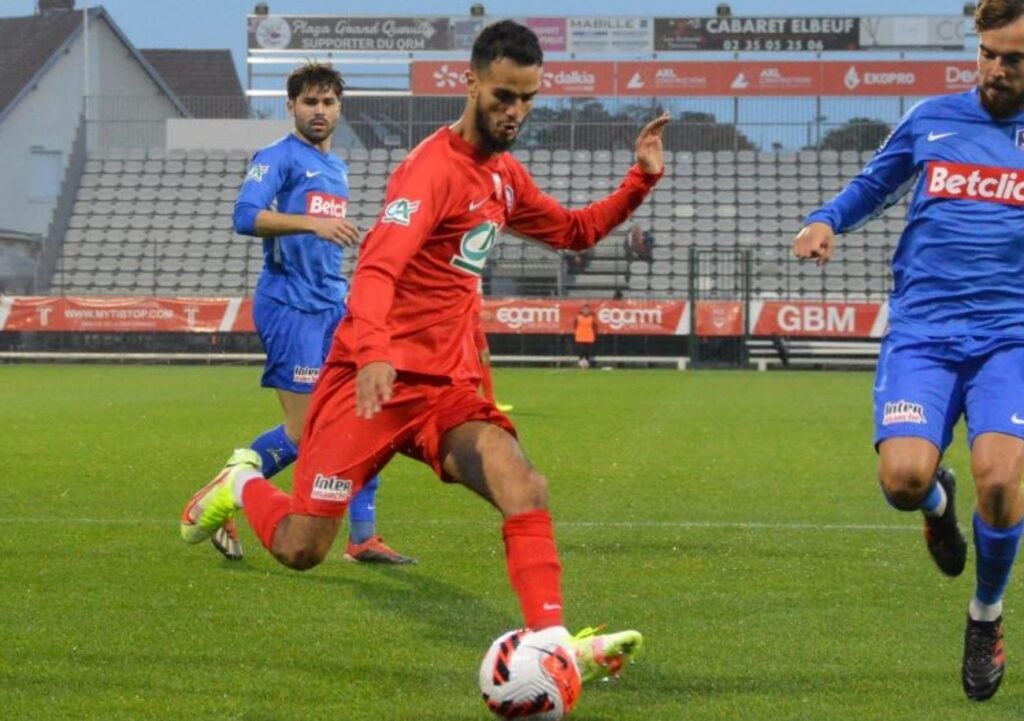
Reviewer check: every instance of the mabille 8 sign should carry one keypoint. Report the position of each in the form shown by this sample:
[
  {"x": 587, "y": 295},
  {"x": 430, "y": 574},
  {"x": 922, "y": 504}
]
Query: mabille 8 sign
[{"x": 756, "y": 34}]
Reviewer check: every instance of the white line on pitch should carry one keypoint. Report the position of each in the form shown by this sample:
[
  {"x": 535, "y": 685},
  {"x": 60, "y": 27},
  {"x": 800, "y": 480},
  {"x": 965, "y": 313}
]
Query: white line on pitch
[{"x": 710, "y": 525}]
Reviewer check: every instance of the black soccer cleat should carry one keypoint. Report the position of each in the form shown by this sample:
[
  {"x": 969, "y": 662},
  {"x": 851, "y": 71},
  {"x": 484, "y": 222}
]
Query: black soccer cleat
[
  {"x": 942, "y": 534},
  {"x": 984, "y": 659}
]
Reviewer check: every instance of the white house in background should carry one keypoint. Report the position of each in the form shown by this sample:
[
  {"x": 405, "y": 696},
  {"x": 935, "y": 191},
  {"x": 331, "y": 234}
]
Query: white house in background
[{"x": 48, "y": 62}]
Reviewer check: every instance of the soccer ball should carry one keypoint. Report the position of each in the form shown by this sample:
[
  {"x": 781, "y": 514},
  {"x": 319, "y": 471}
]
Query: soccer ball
[
  {"x": 531, "y": 675},
  {"x": 583, "y": 363}
]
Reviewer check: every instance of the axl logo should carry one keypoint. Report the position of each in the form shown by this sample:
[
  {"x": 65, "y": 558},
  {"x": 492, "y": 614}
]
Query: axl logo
[{"x": 323, "y": 205}]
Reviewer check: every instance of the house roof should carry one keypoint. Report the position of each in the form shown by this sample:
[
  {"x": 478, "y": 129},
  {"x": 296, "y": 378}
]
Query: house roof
[
  {"x": 204, "y": 80},
  {"x": 26, "y": 46},
  {"x": 29, "y": 45}
]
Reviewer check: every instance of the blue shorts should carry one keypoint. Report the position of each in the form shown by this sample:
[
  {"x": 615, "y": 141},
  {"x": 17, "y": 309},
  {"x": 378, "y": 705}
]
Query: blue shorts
[
  {"x": 296, "y": 342},
  {"x": 924, "y": 385}
]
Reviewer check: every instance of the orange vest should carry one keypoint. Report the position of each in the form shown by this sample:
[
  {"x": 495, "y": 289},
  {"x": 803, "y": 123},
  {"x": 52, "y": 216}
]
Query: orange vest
[{"x": 585, "y": 330}]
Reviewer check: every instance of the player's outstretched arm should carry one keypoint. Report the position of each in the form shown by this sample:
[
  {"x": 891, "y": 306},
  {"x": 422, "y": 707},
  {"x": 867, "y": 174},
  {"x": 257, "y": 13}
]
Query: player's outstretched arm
[
  {"x": 650, "y": 150},
  {"x": 815, "y": 240}
]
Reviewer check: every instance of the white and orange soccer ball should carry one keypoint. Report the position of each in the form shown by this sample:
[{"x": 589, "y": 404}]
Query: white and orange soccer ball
[{"x": 531, "y": 675}]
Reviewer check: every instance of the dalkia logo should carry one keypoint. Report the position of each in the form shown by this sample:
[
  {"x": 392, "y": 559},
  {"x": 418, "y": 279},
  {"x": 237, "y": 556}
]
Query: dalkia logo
[
  {"x": 331, "y": 488},
  {"x": 400, "y": 211},
  {"x": 475, "y": 247},
  {"x": 903, "y": 412}
]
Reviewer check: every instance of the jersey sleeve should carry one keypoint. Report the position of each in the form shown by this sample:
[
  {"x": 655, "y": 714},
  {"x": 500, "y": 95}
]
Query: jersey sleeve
[
  {"x": 882, "y": 182},
  {"x": 413, "y": 207},
  {"x": 264, "y": 180},
  {"x": 539, "y": 216}
]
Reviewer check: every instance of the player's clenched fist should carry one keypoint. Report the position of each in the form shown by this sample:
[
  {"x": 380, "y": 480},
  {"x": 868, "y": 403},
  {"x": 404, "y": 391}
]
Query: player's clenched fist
[
  {"x": 336, "y": 230},
  {"x": 816, "y": 240},
  {"x": 374, "y": 383}
]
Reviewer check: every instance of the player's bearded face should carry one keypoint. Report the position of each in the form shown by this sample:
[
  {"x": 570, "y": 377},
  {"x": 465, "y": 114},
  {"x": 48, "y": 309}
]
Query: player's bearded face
[
  {"x": 316, "y": 112},
  {"x": 1001, "y": 69},
  {"x": 504, "y": 98}
]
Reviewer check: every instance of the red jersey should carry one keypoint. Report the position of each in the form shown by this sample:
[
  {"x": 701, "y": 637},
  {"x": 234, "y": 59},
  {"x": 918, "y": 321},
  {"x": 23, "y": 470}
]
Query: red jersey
[{"x": 414, "y": 299}]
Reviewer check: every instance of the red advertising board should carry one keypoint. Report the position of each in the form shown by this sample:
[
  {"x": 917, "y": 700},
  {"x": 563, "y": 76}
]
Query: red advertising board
[
  {"x": 614, "y": 317},
  {"x": 559, "y": 78},
  {"x": 805, "y": 318},
  {"x": 719, "y": 318},
  {"x": 126, "y": 315},
  {"x": 817, "y": 319},
  {"x": 668, "y": 78},
  {"x": 729, "y": 79},
  {"x": 895, "y": 77},
  {"x": 771, "y": 79}
]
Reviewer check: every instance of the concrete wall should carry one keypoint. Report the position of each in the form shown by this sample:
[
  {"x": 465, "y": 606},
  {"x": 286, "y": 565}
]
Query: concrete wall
[
  {"x": 201, "y": 134},
  {"x": 226, "y": 134},
  {"x": 48, "y": 116}
]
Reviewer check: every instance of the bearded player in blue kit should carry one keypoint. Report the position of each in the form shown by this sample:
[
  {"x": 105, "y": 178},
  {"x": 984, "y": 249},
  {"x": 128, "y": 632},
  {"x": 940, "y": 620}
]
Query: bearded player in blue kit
[
  {"x": 955, "y": 344},
  {"x": 295, "y": 197}
]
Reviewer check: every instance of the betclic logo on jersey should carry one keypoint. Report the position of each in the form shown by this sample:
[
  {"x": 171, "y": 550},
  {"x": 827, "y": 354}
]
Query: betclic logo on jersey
[
  {"x": 986, "y": 183},
  {"x": 324, "y": 205}
]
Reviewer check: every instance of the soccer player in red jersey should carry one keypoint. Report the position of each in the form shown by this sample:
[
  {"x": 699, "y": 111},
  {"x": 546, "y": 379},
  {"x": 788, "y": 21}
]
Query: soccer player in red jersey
[{"x": 403, "y": 373}]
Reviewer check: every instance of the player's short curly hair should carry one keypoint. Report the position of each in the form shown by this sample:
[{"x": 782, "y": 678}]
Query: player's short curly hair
[
  {"x": 994, "y": 14},
  {"x": 506, "y": 39},
  {"x": 314, "y": 75}
]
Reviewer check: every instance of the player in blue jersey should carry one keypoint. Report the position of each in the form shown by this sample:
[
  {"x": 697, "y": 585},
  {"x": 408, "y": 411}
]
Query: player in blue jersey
[
  {"x": 955, "y": 344},
  {"x": 295, "y": 197}
]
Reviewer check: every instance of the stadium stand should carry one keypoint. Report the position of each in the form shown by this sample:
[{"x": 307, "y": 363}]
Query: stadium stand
[{"x": 160, "y": 222}]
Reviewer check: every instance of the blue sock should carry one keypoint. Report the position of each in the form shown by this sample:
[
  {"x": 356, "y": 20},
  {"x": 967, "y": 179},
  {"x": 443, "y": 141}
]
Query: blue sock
[
  {"x": 276, "y": 449},
  {"x": 362, "y": 516},
  {"x": 996, "y": 549}
]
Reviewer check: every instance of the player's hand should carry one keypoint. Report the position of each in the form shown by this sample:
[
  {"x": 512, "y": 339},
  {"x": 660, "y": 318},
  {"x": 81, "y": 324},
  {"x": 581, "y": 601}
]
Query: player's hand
[
  {"x": 650, "y": 152},
  {"x": 816, "y": 240},
  {"x": 374, "y": 385},
  {"x": 336, "y": 230}
]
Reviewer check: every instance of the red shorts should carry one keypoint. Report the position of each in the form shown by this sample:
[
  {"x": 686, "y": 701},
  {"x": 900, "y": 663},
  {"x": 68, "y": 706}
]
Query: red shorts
[{"x": 340, "y": 451}]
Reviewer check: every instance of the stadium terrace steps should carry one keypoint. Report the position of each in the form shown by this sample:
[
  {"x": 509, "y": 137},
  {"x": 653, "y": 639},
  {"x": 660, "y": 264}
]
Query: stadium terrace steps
[{"x": 139, "y": 216}]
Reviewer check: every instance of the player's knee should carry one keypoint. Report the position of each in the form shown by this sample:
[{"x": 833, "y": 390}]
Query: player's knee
[
  {"x": 904, "y": 481},
  {"x": 997, "y": 493},
  {"x": 301, "y": 557},
  {"x": 529, "y": 494}
]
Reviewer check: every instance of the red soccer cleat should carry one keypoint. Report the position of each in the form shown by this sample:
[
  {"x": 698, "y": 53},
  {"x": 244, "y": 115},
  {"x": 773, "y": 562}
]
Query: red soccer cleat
[{"x": 374, "y": 550}]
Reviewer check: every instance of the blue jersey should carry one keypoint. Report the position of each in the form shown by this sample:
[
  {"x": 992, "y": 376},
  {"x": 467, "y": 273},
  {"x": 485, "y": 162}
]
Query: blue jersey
[
  {"x": 292, "y": 176},
  {"x": 959, "y": 266}
]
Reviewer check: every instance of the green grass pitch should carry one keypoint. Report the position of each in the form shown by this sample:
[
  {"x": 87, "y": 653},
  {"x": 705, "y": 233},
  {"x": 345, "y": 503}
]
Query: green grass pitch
[{"x": 733, "y": 517}]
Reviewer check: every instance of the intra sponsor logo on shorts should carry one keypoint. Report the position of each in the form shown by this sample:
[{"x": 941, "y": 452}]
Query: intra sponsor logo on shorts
[
  {"x": 331, "y": 488},
  {"x": 305, "y": 374},
  {"x": 903, "y": 412}
]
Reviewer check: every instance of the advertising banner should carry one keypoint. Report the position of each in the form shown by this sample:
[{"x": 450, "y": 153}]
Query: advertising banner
[
  {"x": 759, "y": 34},
  {"x": 800, "y": 318},
  {"x": 580, "y": 79},
  {"x": 346, "y": 34}
]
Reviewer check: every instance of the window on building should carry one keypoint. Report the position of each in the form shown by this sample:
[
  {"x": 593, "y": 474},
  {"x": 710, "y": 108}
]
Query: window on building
[{"x": 45, "y": 170}]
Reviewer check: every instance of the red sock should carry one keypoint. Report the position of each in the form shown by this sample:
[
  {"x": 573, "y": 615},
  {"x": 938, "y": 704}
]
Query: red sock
[
  {"x": 265, "y": 506},
  {"x": 488, "y": 384},
  {"x": 534, "y": 569}
]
